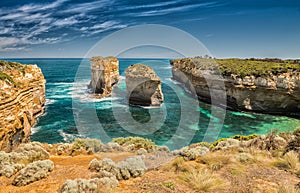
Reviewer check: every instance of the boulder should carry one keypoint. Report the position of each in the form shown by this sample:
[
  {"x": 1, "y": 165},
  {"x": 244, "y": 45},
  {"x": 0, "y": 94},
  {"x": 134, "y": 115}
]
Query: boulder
[
  {"x": 143, "y": 86},
  {"x": 105, "y": 74}
]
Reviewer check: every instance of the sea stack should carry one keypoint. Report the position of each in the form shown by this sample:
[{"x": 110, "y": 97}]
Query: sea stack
[
  {"x": 22, "y": 100},
  {"x": 143, "y": 86},
  {"x": 105, "y": 74}
]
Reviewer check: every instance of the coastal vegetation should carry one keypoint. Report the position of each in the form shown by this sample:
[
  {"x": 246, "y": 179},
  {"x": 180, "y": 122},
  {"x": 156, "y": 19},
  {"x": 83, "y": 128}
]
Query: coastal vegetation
[{"x": 240, "y": 164}]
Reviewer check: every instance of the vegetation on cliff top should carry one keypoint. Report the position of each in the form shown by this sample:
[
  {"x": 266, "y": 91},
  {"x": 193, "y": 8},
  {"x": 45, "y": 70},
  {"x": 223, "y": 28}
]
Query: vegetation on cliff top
[
  {"x": 243, "y": 67},
  {"x": 6, "y": 66},
  {"x": 6, "y": 71}
]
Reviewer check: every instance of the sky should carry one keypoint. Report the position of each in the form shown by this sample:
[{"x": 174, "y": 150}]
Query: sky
[{"x": 70, "y": 28}]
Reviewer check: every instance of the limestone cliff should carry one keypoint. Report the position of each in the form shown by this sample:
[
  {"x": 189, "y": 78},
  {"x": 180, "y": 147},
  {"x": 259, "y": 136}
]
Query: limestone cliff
[
  {"x": 22, "y": 99},
  {"x": 105, "y": 74},
  {"x": 273, "y": 91},
  {"x": 143, "y": 86}
]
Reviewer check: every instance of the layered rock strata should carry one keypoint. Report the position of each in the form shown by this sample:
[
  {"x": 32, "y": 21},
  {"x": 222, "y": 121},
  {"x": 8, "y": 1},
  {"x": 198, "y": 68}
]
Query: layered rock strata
[
  {"x": 22, "y": 99},
  {"x": 143, "y": 86},
  {"x": 105, "y": 74},
  {"x": 272, "y": 93}
]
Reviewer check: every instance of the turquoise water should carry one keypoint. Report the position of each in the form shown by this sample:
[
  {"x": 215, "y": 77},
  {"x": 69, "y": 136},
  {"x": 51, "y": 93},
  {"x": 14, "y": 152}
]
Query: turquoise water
[{"x": 71, "y": 112}]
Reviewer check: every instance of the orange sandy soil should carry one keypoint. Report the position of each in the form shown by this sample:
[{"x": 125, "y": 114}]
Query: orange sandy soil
[
  {"x": 66, "y": 167},
  {"x": 237, "y": 177}
]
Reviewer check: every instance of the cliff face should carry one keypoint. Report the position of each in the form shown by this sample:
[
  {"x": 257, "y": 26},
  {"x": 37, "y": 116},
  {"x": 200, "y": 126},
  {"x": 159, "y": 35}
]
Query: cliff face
[
  {"x": 272, "y": 93},
  {"x": 143, "y": 86},
  {"x": 105, "y": 74},
  {"x": 22, "y": 98}
]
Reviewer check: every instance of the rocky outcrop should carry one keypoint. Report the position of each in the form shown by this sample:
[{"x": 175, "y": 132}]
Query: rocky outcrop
[
  {"x": 272, "y": 93},
  {"x": 22, "y": 99},
  {"x": 143, "y": 86},
  {"x": 105, "y": 74}
]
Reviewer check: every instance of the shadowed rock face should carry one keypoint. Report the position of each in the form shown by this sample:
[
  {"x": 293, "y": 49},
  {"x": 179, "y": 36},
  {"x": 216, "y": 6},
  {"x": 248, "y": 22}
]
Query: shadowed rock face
[
  {"x": 272, "y": 94},
  {"x": 105, "y": 74},
  {"x": 22, "y": 99},
  {"x": 143, "y": 86}
]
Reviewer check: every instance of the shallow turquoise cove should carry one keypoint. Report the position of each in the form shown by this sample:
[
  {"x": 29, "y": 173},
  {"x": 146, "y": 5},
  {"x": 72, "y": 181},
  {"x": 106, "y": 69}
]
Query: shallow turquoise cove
[{"x": 71, "y": 112}]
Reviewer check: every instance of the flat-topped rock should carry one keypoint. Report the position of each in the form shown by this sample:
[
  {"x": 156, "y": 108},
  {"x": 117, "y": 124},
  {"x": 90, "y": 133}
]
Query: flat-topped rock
[
  {"x": 105, "y": 74},
  {"x": 143, "y": 86}
]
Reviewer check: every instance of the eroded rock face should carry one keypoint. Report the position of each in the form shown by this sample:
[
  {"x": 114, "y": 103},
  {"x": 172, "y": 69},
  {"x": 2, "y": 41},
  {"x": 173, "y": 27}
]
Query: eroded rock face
[
  {"x": 22, "y": 99},
  {"x": 143, "y": 86},
  {"x": 273, "y": 94},
  {"x": 105, "y": 74}
]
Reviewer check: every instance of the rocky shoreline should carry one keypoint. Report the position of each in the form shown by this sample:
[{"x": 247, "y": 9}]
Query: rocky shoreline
[{"x": 274, "y": 92}]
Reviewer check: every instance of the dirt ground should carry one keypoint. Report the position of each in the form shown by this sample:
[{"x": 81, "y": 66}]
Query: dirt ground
[{"x": 257, "y": 177}]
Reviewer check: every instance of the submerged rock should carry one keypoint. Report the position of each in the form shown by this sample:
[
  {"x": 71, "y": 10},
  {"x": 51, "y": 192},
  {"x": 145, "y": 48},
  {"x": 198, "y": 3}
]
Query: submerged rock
[
  {"x": 143, "y": 86},
  {"x": 105, "y": 74}
]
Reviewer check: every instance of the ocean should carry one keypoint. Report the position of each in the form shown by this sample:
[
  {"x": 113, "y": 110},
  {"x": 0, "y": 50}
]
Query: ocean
[{"x": 71, "y": 112}]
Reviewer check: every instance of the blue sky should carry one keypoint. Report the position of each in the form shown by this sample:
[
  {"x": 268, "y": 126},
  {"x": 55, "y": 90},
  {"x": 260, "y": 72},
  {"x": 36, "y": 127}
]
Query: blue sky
[{"x": 69, "y": 28}]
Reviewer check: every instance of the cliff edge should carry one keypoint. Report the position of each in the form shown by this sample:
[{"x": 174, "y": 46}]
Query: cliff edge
[
  {"x": 259, "y": 85},
  {"x": 22, "y": 99}
]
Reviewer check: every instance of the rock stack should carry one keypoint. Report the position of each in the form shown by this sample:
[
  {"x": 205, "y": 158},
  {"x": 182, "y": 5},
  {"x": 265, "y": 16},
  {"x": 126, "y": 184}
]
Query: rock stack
[
  {"x": 143, "y": 86},
  {"x": 105, "y": 74}
]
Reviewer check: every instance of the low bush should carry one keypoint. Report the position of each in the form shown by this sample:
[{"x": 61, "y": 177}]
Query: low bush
[
  {"x": 33, "y": 172},
  {"x": 203, "y": 180},
  {"x": 87, "y": 144},
  {"x": 135, "y": 143},
  {"x": 93, "y": 185}
]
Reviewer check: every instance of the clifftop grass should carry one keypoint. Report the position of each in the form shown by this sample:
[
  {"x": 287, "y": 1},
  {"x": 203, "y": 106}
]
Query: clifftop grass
[
  {"x": 6, "y": 66},
  {"x": 6, "y": 69},
  {"x": 243, "y": 67}
]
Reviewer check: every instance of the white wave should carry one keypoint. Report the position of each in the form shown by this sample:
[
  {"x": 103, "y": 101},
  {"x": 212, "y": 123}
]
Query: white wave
[
  {"x": 61, "y": 83},
  {"x": 35, "y": 129},
  {"x": 59, "y": 96},
  {"x": 166, "y": 67},
  {"x": 50, "y": 101},
  {"x": 68, "y": 137}
]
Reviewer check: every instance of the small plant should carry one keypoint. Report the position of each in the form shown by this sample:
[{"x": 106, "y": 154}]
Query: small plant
[
  {"x": 87, "y": 144},
  {"x": 136, "y": 143},
  {"x": 284, "y": 188},
  {"x": 244, "y": 137},
  {"x": 205, "y": 144},
  {"x": 33, "y": 172},
  {"x": 289, "y": 161},
  {"x": 4, "y": 76},
  {"x": 178, "y": 164},
  {"x": 203, "y": 180},
  {"x": 169, "y": 185},
  {"x": 215, "y": 162}
]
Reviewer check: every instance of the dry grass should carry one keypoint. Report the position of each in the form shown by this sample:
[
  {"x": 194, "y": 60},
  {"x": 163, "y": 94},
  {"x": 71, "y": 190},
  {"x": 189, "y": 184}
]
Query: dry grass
[
  {"x": 203, "y": 180},
  {"x": 284, "y": 188},
  {"x": 290, "y": 161},
  {"x": 216, "y": 161}
]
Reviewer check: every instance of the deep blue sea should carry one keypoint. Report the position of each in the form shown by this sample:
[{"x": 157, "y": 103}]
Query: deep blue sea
[{"x": 71, "y": 112}]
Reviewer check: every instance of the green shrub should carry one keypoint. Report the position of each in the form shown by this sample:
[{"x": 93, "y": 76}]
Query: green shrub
[
  {"x": 244, "y": 137},
  {"x": 4, "y": 76},
  {"x": 136, "y": 143},
  {"x": 87, "y": 144}
]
